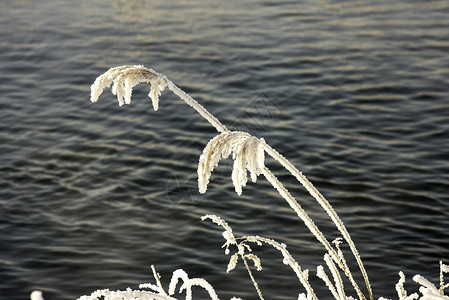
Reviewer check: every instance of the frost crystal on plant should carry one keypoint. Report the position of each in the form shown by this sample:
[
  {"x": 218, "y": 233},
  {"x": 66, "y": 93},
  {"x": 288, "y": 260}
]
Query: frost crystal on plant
[
  {"x": 247, "y": 152},
  {"x": 232, "y": 262},
  {"x": 124, "y": 78},
  {"x": 156, "y": 291}
]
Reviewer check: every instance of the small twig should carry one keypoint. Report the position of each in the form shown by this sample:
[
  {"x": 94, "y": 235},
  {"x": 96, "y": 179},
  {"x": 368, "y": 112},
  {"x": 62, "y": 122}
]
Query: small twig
[{"x": 158, "y": 281}]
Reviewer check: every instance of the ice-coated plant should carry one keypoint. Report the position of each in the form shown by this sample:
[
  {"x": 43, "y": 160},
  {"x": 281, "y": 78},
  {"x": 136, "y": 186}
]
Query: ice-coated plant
[
  {"x": 248, "y": 153},
  {"x": 156, "y": 291}
]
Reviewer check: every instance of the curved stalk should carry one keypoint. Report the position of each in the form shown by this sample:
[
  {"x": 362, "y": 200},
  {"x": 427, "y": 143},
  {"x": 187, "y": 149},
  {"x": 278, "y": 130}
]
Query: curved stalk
[
  {"x": 196, "y": 106},
  {"x": 326, "y": 206},
  {"x": 292, "y": 169},
  {"x": 253, "y": 279},
  {"x": 288, "y": 259},
  {"x": 309, "y": 224}
]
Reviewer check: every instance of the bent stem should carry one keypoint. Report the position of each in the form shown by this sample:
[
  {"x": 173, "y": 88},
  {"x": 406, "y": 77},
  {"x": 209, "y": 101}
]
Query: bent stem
[
  {"x": 310, "y": 225},
  {"x": 259, "y": 292},
  {"x": 289, "y": 260},
  {"x": 196, "y": 106},
  {"x": 326, "y": 206}
]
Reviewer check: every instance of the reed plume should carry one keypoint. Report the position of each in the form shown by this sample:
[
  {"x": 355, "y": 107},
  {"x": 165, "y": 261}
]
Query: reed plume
[{"x": 247, "y": 152}]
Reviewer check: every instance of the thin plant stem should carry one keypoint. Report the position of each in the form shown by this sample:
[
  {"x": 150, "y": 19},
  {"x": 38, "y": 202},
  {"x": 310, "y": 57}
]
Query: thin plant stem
[
  {"x": 198, "y": 107},
  {"x": 288, "y": 259},
  {"x": 326, "y": 206},
  {"x": 336, "y": 276},
  {"x": 259, "y": 292},
  {"x": 158, "y": 280},
  {"x": 310, "y": 224}
]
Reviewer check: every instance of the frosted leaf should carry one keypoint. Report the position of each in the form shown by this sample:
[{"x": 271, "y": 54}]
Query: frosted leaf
[
  {"x": 247, "y": 152},
  {"x": 425, "y": 283},
  {"x": 306, "y": 274},
  {"x": 103, "y": 81},
  {"x": 189, "y": 283},
  {"x": 155, "y": 92},
  {"x": 260, "y": 155},
  {"x": 247, "y": 247},
  {"x": 219, "y": 221},
  {"x": 178, "y": 274},
  {"x": 226, "y": 236},
  {"x": 256, "y": 261},
  {"x": 444, "y": 268},
  {"x": 302, "y": 296},
  {"x": 428, "y": 290},
  {"x": 232, "y": 262},
  {"x": 320, "y": 272},
  {"x": 402, "y": 293}
]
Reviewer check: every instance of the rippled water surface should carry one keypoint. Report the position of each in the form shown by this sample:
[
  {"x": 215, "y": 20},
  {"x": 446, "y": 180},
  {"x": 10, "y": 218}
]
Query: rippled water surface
[{"x": 354, "y": 93}]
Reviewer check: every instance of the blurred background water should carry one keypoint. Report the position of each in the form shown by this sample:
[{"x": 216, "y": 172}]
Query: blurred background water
[{"x": 354, "y": 93}]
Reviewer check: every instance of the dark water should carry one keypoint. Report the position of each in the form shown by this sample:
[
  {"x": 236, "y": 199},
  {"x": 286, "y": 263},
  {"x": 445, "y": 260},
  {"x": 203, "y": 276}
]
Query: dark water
[{"x": 354, "y": 93}]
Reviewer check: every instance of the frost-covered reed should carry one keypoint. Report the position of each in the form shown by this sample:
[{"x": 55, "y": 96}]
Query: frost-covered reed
[{"x": 248, "y": 153}]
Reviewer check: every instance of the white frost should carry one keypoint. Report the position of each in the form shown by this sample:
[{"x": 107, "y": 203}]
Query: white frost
[{"x": 247, "y": 152}]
